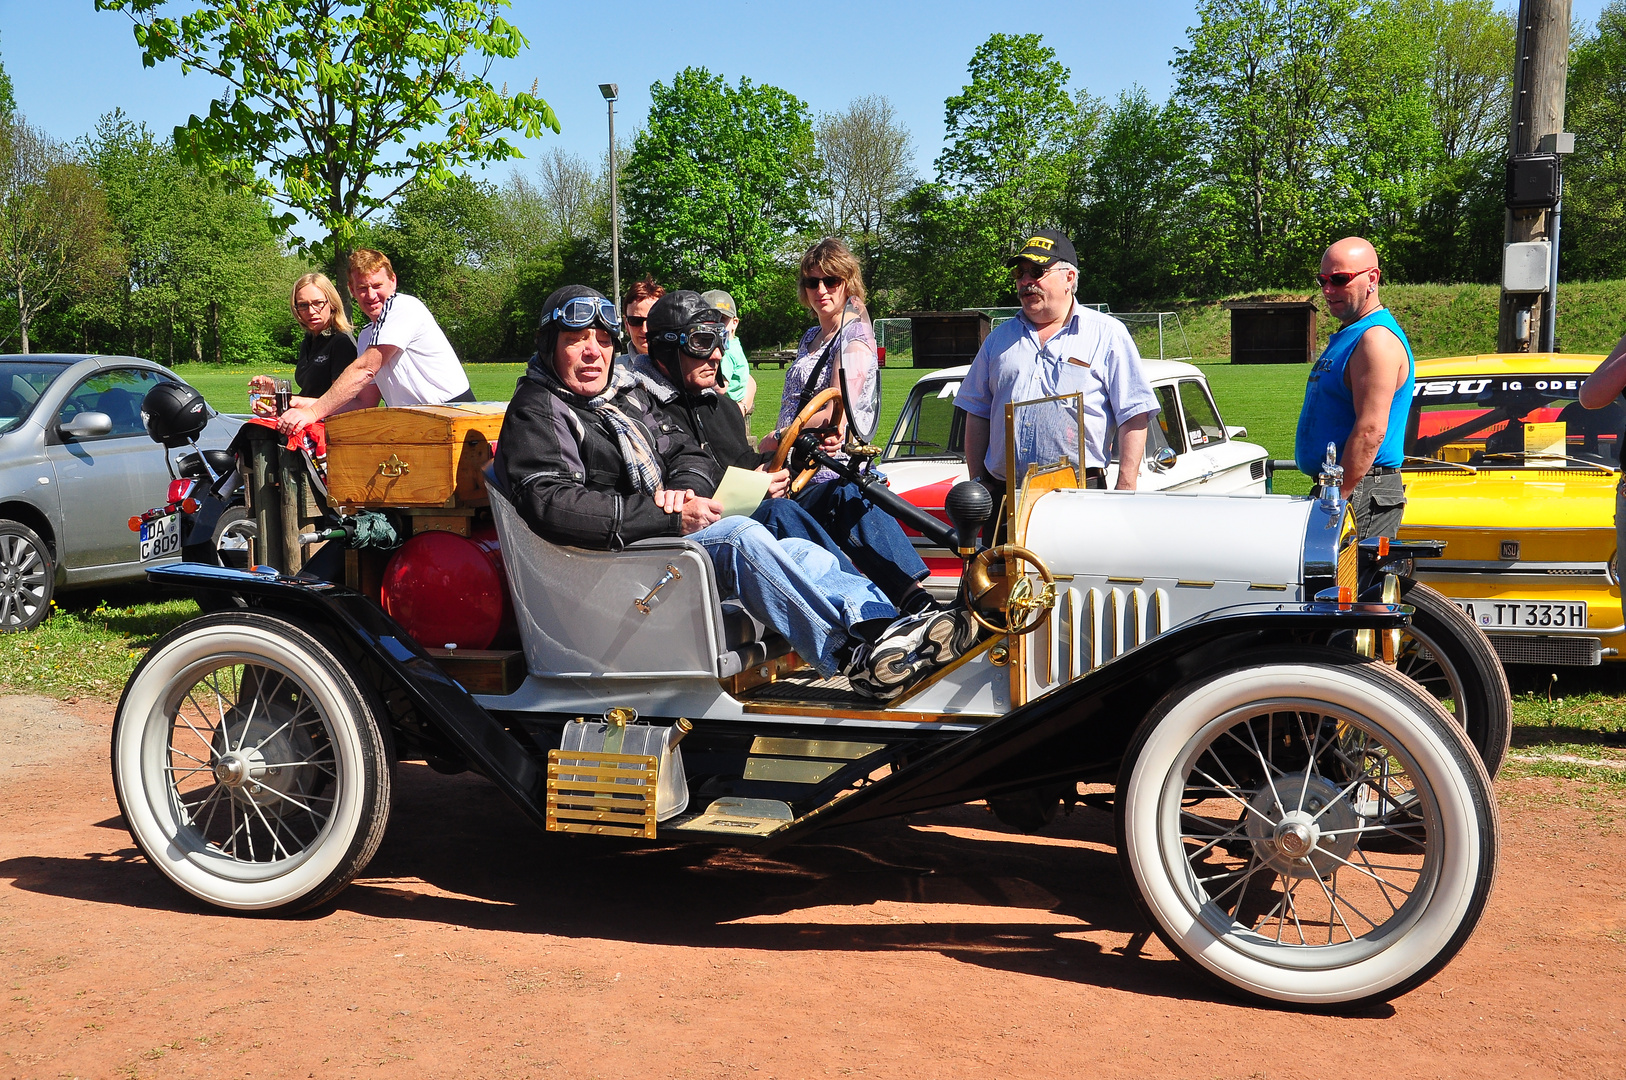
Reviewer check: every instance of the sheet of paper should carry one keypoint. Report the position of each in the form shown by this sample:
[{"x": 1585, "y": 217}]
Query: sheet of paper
[{"x": 741, "y": 491}]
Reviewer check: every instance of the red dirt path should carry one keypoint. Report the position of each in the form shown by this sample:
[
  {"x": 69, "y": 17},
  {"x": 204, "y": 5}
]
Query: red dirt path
[{"x": 942, "y": 946}]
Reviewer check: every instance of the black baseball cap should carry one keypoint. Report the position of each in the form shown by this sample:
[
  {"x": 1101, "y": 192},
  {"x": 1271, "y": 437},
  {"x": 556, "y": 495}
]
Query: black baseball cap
[{"x": 1045, "y": 247}]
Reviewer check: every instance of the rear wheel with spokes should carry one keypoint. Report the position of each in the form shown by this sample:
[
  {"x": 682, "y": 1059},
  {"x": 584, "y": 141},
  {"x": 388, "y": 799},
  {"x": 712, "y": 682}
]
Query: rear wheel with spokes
[
  {"x": 1308, "y": 829},
  {"x": 249, "y": 764}
]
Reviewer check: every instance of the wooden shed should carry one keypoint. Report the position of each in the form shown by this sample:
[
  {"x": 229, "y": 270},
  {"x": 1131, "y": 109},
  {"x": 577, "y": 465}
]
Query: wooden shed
[
  {"x": 946, "y": 338},
  {"x": 1272, "y": 331}
]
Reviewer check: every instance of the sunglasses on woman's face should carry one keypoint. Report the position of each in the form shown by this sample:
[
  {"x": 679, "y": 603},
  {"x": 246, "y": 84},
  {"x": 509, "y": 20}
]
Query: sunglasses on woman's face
[
  {"x": 636, "y": 320},
  {"x": 829, "y": 281}
]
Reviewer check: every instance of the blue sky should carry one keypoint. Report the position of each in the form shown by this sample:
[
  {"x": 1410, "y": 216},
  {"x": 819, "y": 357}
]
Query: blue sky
[{"x": 70, "y": 64}]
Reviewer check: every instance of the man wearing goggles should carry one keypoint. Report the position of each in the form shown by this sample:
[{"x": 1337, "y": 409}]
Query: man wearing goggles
[
  {"x": 1359, "y": 391},
  {"x": 589, "y": 459}
]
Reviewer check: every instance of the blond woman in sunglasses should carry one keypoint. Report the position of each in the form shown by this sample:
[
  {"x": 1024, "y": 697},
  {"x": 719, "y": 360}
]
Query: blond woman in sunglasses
[{"x": 840, "y": 351}]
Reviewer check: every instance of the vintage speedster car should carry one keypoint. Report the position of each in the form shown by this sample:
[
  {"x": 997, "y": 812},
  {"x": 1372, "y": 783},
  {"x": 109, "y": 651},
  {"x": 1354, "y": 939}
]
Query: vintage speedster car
[
  {"x": 1297, "y": 820},
  {"x": 1519, "y": 480}
]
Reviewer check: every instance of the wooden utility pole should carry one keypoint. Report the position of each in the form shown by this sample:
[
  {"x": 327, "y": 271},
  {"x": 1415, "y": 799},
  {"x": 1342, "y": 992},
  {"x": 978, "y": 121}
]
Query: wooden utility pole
[{"x": 1540, "y": 67}]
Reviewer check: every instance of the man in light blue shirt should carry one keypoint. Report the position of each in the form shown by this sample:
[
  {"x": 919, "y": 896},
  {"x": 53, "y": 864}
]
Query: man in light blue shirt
[{"x": 1056, "y": 347}]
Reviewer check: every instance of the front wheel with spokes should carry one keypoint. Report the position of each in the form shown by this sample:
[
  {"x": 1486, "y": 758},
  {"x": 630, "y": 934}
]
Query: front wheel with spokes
[
  {"x": 250, "y": 766},
  {"x": 1308, "y": 829}
]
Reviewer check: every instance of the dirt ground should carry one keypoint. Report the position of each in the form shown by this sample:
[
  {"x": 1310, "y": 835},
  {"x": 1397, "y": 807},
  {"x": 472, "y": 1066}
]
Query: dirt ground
[{"x": 941, "y": 946}]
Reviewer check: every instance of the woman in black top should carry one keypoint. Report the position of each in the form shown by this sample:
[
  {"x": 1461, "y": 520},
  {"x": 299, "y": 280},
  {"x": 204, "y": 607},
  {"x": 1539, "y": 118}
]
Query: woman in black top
[{"x": 328, "y": 346}]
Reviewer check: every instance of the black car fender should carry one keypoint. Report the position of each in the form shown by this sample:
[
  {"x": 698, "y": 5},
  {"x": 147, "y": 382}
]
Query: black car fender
[{"x": 436, "y": 716}]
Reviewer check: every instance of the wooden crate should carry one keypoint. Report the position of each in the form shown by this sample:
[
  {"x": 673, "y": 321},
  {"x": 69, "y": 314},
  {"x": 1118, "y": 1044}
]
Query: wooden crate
[{"x": 417, "y": 455}]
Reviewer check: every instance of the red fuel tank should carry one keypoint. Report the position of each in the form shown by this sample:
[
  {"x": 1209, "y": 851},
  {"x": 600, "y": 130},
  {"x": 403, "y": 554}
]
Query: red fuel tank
[{"x": 451, "y": 590}]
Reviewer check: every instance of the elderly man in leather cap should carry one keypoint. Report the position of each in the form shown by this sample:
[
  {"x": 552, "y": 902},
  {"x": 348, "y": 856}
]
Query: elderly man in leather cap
[{"x": 587, "y": 461}]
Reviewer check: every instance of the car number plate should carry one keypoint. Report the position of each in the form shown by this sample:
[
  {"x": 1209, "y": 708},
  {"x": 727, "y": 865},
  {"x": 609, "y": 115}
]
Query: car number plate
[
  {"x": 1525, "y": 614},
  {"x": 160, "y": 536}
]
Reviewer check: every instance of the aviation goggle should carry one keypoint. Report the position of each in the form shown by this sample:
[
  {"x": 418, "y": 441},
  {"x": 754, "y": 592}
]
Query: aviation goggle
[
  {"x": 580, "y": 312},
  {"x": 699, "y": 341}
]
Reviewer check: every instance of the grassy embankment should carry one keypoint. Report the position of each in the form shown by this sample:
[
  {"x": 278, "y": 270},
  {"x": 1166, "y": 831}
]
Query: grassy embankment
[{"x": 93, "y": 641}]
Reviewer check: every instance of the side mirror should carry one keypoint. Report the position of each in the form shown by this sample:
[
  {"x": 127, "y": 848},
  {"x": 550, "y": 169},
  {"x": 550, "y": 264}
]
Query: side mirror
[
  {"x": 87, "y": 425},
  {"x": 1164, "y": 459}
]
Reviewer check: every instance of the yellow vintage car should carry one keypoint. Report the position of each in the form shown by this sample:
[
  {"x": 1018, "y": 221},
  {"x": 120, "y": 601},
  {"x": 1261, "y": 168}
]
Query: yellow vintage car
[{"x": 1518, "y": 479}]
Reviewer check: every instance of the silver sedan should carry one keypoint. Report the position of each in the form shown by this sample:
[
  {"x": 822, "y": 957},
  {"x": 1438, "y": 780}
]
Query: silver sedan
[{"x": 75, "y": 465}]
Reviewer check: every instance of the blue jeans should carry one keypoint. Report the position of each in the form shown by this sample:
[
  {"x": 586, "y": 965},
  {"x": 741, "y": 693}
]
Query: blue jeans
[
  {"x": 794, "y": 586},
  {"x": 871, "y": 537},
  {"x": 785, "y": 518}
]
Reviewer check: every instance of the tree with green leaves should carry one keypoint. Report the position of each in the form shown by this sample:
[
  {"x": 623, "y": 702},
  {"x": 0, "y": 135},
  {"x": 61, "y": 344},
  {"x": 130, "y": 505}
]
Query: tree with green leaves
[
  {"x": 337, "y": 107},
  {"x": 54, "y": 229},
  {"x": 1132, "y": 210},
  {"x": 1006, "y": 132},
  {"x": 8, "y": 101},
  {"x": 1594, "y": 237},
  {"x": 205, "y": 278},
  {"x": 1258, "y": 74},
  {"x": 717, "y": 183}
]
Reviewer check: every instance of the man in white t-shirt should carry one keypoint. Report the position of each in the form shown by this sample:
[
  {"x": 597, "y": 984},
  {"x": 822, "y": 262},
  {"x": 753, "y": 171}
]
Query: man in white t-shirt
[{"x": 402, "y": 357}]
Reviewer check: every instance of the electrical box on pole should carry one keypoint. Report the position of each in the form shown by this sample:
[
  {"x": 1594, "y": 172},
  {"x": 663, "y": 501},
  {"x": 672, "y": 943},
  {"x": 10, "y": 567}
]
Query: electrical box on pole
[{"x": 1536, "y": 141}]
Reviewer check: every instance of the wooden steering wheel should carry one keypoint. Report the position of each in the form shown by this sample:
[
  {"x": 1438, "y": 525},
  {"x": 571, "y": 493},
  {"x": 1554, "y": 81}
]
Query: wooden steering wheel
[{"x": 788, "y": 437}]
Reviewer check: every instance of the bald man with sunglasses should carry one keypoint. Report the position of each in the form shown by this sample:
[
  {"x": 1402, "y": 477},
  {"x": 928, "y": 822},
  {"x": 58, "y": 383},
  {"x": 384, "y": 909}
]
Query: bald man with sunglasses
[{"x": 1359, "y": 391}]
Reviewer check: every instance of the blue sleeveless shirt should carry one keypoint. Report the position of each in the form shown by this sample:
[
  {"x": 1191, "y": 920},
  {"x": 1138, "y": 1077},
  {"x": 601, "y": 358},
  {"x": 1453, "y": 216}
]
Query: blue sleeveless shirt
[{"x": 1329, "y": 406}]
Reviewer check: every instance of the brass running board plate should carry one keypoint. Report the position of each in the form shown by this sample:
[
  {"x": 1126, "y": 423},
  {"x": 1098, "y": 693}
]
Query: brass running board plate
[
  {"x": 603, "y": 794},
  {"x": 741, "y": 817}
]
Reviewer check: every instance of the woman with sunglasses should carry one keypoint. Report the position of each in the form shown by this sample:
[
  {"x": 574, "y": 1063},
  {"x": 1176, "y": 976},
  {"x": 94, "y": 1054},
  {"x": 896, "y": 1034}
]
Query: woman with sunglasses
[
  {"x": 328, "y": 346},
  {"x": 843, "y": 343},
  {"x": 635, "y": 312}
]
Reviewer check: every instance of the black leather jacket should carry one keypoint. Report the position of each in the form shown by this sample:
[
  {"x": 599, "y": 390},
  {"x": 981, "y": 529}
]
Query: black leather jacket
[{"x": 562, "y": 468}]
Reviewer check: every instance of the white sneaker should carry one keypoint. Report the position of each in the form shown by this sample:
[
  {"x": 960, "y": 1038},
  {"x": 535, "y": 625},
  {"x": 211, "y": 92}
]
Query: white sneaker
[{"x": 904, "y": 652}]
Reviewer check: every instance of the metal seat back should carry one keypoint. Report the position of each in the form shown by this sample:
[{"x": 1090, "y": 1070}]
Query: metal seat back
[{"x": 651, "y": 610}]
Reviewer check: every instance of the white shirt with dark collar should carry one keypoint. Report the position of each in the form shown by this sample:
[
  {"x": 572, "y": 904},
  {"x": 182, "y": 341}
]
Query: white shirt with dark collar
[{"x": 426, "y": 371}]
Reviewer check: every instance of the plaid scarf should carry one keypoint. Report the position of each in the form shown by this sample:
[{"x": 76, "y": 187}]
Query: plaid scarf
[{"x": 638, "y": 458}]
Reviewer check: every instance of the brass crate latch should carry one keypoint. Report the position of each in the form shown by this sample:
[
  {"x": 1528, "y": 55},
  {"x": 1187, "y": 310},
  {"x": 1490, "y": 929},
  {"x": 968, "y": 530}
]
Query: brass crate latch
[{"x": 393, "y": 467}]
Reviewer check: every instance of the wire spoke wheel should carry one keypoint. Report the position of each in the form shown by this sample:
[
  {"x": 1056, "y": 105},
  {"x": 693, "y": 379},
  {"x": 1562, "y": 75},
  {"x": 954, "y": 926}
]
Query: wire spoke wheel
[
  {"x": 1273, "y": 811},
  {"x": 1447, "y": 655},
  {"x": 250, "y": 765},
  {"x": 1310, "y": 832}
]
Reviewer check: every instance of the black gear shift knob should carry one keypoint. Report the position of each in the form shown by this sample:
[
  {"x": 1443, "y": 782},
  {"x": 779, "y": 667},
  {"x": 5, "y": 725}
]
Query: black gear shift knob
[{"x": 969, "y": 505}]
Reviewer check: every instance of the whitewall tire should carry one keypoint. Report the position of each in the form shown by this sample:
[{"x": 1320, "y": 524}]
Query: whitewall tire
[
  {"x": 249, "y": 764},
  {"x": 1307, "y": 829}
]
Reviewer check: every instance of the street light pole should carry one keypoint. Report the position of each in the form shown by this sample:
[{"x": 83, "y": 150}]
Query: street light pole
[{"x": 611, "y": 92}]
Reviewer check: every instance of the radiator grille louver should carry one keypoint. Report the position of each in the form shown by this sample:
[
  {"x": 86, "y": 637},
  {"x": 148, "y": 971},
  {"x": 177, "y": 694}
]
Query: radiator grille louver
[{"x": 1092, "y": 626}]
